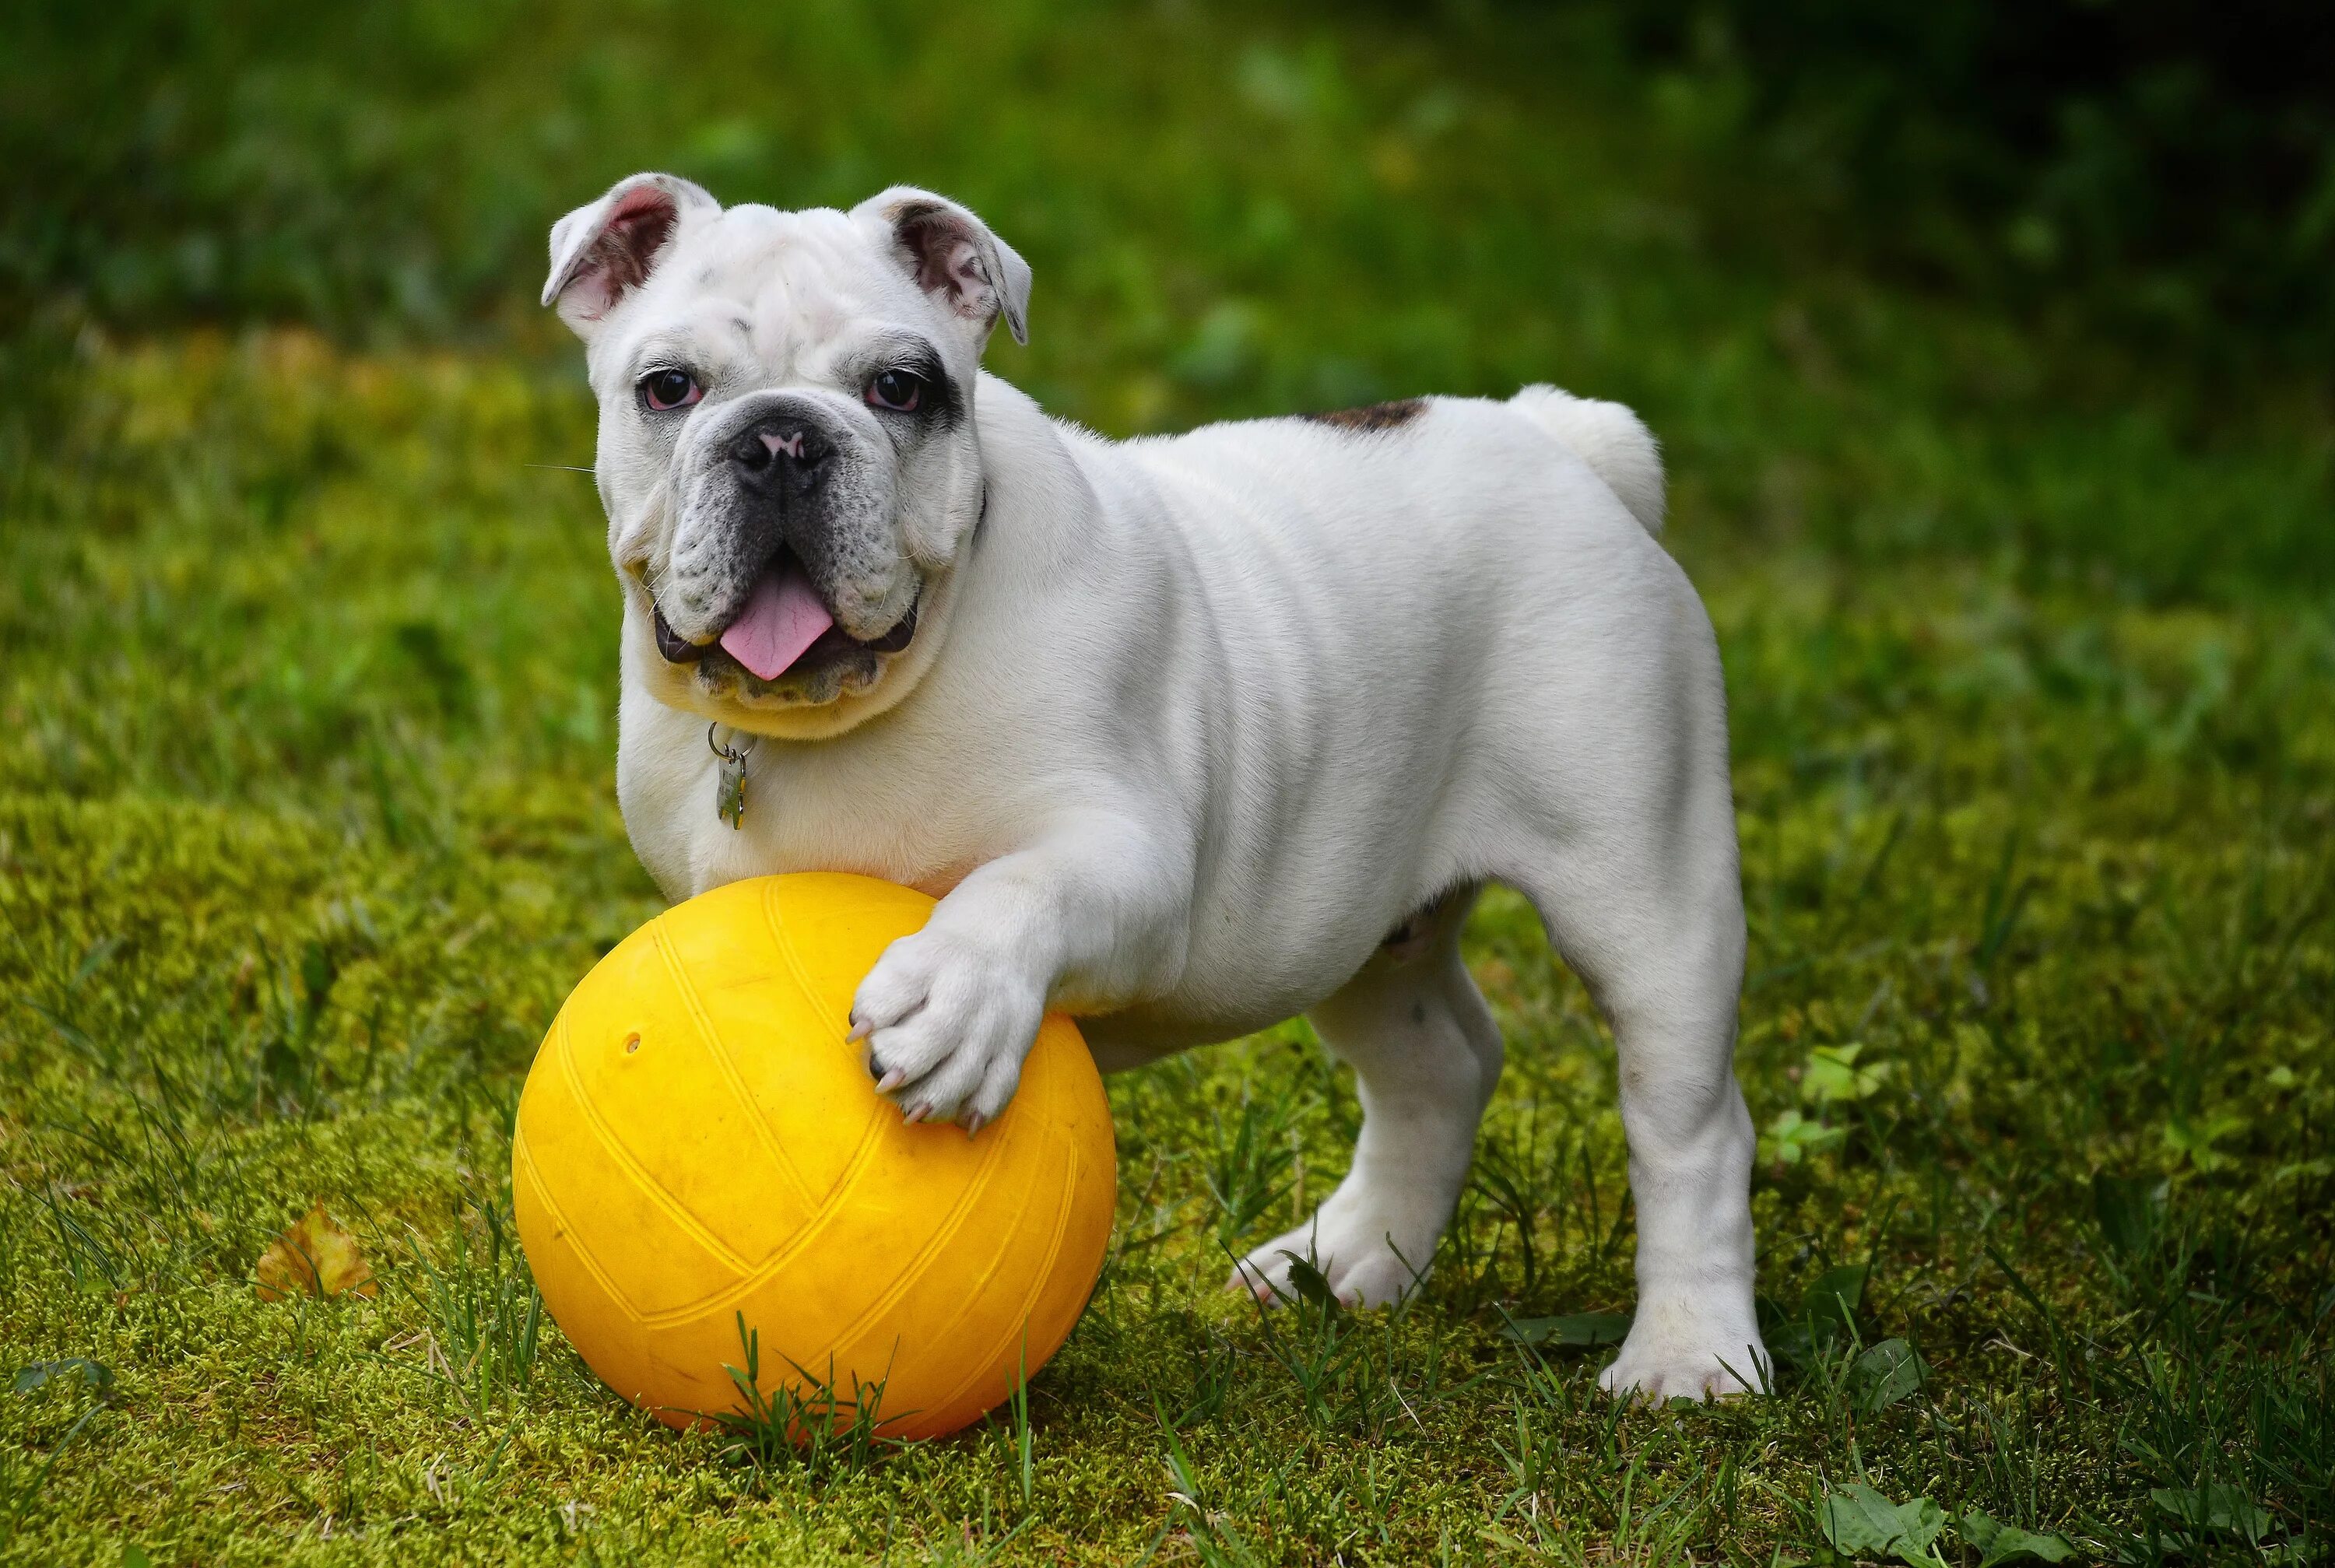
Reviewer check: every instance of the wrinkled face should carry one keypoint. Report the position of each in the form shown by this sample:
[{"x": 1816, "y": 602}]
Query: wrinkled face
[{"x": 787, "y": 449}]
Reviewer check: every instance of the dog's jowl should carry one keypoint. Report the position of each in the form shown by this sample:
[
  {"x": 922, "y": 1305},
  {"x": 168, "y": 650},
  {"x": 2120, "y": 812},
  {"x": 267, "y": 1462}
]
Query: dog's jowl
[{"x": 1180, "y": 729}]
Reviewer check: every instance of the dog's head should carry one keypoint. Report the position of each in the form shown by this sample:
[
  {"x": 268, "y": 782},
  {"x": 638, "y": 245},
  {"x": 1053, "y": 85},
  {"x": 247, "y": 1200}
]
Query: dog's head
[{"x": 787, "y": 447}]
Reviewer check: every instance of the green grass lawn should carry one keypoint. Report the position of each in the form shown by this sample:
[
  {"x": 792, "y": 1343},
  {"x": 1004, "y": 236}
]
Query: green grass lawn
[{"x": 306, "y": 827}]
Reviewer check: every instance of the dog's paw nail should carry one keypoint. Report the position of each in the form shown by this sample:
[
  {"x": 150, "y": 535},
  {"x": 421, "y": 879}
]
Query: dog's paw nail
[
  {"x": 892, "y": 1081},
  {"x": 860, "y": 1030},
  {"x": 974, "y": 1123},
  {"x": 917, "y": 1113}
]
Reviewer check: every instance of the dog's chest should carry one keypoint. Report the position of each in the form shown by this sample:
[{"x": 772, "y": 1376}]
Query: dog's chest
[{"x": 910, "y": 826}]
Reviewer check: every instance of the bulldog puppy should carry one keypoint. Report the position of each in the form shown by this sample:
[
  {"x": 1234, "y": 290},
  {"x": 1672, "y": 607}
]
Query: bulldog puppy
[{"x": 1189, "y": 734}]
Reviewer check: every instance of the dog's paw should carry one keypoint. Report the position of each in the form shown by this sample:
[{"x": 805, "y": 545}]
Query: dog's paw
[
  {"x": 947, "y": 1024},
  {"x": 1363, "y": 1258},
  {"x": 1681, "y": 1351}
]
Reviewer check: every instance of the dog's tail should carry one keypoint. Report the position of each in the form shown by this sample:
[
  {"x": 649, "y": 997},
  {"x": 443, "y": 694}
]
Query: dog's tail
[{"x": 1611, "y": 440}]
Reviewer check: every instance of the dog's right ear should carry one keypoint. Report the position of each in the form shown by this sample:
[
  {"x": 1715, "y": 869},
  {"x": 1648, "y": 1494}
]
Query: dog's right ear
[
  {"x": 954, "y": 258},
  {"x": 602, "y": 252}
]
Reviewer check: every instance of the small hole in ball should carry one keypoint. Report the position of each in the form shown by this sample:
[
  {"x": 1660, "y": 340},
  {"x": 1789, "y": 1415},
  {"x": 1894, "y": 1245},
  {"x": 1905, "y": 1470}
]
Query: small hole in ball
[{"x": 632, "y": 1044}]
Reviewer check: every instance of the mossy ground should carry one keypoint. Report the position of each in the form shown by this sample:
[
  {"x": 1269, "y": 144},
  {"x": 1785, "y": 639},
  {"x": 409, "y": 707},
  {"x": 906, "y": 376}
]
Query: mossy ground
[{"x": 307, "y": 676}]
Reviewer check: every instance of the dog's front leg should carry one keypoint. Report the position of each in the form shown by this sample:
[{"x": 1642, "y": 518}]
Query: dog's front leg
[{"x": 1089, "y": 918}]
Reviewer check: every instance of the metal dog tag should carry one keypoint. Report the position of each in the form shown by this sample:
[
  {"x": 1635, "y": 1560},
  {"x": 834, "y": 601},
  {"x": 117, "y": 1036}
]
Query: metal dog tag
[
  {"x": 729, "y": 794},
  {"x": 730, "y": 782}
]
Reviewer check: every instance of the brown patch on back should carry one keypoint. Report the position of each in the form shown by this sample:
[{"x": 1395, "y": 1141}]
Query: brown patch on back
[{"x": 1375, "y": 416}]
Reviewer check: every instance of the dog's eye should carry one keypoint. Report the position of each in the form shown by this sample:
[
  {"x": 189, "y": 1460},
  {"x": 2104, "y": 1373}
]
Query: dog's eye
[
  {"x": 665, "y": 390},
  {"x": 897, "y": 389}
]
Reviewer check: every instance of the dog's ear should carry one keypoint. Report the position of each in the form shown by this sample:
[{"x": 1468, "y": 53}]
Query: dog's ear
[
  {"x": 953, "y": 257},
  {"x": 600, "y": 252}
]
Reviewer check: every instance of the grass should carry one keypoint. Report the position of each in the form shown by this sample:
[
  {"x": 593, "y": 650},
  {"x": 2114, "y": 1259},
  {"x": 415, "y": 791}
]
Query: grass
[{"x": 305, "y": 828}]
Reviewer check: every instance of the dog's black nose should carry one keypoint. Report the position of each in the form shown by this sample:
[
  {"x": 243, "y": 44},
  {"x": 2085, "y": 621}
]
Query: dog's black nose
[{"x": 779, "y": 444}]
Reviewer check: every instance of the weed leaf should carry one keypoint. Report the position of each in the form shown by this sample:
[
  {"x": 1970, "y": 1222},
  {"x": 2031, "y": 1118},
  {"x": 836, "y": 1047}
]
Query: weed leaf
[
  {"x": 1575, "y": 1332},
  {"x": 1860, "y": 1522},
  {"x": 94, "y": 1374},
  {"x": 1997, "y": 1542},
  {"x": 1888, "y": 1372},
  {"x": 2218, "y": 1509},
  {"x": 1310, "y": 1283},
  {"x": 1833, "y": 1078},
  {"x": 1832, "y": 1301},
  {"x": 2194, "y": 1138},
  {"x": 1794, "y": 1137}
]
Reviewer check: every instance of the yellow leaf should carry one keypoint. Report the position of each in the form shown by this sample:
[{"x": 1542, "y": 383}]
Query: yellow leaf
[{"x": 315, "y": 1255}]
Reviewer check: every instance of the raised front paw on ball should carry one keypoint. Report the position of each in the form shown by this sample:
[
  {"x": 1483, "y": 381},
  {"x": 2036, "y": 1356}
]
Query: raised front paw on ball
[{"x": 947, "y": 1024}]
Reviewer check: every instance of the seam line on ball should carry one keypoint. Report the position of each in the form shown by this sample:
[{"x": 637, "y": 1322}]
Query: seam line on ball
[
  {"x": 985, "y": 1363},
  {"x": 720, "y": 1053},
  {"x": 752, "y": 1278},
  {"x": 780, "y": 940},
  {"x": 1044, "y": 1275},
  {"x": 543, "y": 1193},
  {"x": 975, "y": 1190},
  {"x": 872, "y": 1129},
  {"x": 665, "y": 1201},
  {"x": 761, "y": 1273}
]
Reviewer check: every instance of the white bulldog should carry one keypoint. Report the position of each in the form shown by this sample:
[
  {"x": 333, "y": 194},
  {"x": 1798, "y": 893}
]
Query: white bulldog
[{"x": 1189, "y": 734}]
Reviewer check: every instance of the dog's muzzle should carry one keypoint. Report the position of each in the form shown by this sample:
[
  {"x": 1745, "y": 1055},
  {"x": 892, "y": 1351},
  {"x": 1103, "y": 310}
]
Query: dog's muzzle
[{"x": 782, "y": 482}]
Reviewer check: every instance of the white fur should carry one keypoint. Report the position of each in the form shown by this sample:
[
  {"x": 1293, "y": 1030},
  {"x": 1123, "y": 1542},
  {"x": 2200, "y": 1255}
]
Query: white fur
[
  {"x": 1611, "y": 440},
  {"x": 1196, "y": 722}
]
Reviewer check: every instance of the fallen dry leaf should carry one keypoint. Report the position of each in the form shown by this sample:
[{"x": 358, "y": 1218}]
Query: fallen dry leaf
[{"x": 315, "y": 1255}]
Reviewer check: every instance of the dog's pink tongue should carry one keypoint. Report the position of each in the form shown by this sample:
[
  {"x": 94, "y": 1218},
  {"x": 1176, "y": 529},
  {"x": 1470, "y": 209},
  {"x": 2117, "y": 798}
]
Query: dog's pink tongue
[{"x": 784, "y": 617}]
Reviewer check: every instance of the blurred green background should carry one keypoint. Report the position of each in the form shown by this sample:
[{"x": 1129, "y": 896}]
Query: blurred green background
[
  {"x": 2030, "y": 226},
  {"x": 1988, "y": 346},
  {"x": 385, "y": 167}
]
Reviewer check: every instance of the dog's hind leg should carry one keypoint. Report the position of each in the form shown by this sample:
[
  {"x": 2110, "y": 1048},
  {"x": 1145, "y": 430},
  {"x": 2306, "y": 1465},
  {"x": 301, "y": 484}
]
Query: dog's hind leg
[
  {"x": 1426, "y": 1055},
  {"x": 1644, "y": 898}
]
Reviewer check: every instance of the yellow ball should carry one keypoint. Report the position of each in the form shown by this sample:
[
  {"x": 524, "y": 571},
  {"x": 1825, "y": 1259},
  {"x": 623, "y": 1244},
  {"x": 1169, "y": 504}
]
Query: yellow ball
[{"x": 698, "y": 1140}]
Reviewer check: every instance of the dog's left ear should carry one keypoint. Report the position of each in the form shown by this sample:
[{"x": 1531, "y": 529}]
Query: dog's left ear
[
  {"x": 602, "y": 252},
  {"x": 954, "y": 256}
]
